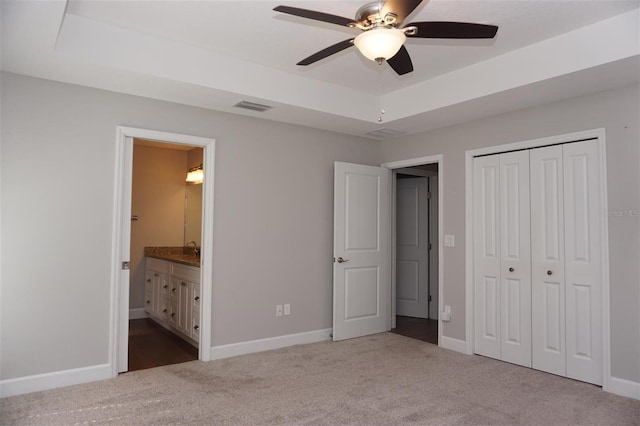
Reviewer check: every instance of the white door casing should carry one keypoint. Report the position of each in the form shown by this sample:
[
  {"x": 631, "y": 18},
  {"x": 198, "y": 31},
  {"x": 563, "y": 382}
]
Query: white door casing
[
  {"x": 434, "y": 249},
  {"x": 515, "y": 259},
  {"x": 547, "y": 254},
  {"x": 362, "y": 256},
  {"x": 412, "y": 247}
]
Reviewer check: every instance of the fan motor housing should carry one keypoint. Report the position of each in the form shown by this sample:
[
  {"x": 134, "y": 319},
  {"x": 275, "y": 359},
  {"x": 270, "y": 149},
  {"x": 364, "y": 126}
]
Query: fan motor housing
[{"x": 369, "y": 15}]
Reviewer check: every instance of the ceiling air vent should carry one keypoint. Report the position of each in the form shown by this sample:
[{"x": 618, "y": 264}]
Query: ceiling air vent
[
  {"x": 252, "y": 106},
  {"x": 384, "y": 133}
]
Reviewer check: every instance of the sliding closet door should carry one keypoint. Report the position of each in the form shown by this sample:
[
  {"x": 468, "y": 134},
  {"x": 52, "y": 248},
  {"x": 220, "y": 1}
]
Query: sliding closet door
[
  {"x": 487, "y": 269},
  {"x": 515, "y": 259},
  {"x": 583, "y": 268},
  {"x": 547, "y": 260}
]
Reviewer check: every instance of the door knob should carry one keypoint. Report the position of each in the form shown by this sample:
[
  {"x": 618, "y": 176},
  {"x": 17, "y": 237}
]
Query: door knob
[
  {"x": 511, "y": 269},
  {"x": 341, "y": 260},
  {"x": 549, "y": 272}
]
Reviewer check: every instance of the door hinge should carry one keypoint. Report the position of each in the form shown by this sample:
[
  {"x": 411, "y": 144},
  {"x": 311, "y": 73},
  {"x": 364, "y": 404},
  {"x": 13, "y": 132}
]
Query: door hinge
[
  {"x": 429, "y": 298},
  {"x": 430, "y": 246},
  {"x": 428, "y": 195},
  {"x": 125, "y": 266}
]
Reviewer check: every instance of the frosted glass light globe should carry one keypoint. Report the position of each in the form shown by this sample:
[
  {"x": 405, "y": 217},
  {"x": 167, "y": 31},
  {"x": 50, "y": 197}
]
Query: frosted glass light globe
[{"x": 380, "y": 43}]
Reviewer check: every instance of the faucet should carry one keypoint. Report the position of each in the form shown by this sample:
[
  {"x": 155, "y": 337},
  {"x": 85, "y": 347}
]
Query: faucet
[{"x": 196, "y": 250}]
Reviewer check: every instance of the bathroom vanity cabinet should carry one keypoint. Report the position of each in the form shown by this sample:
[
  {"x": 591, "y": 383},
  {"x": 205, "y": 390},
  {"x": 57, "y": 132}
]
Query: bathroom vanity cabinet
[{"x": 172, "y": 297}]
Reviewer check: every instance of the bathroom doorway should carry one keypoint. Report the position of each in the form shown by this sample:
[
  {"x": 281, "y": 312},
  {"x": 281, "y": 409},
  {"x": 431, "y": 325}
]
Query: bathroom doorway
[
  {"x": 166, "y": 224},
  {"x": 193, "y": 284}
]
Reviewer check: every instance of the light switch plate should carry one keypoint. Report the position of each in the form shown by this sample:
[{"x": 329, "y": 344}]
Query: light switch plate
[{"x": 449, "y": 240}]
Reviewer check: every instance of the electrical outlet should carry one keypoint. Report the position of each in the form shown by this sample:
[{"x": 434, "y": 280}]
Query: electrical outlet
[
  {"x": 278, "y": 310},
  {"x": 287, "y": 309}
]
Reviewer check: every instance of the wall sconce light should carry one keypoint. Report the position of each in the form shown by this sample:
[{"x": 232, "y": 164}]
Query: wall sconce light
[{"x": 195, "y": 175}]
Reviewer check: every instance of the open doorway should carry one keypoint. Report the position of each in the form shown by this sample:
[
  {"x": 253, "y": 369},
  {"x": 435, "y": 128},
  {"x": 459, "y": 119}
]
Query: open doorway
[
  {"x": 417, "y": 252},
  {"x": 191, "y": 283},
  {"x": 166, "y": 236}
]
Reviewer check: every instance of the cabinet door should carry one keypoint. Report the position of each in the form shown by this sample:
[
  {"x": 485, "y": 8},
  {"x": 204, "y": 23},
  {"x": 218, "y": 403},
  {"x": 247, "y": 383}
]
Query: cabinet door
[
  {"x": 165, "y": 309},
  {"x": 148, "y": 293},
  {"x": 195, "y": 326},
  {"x": 183, "y": 322},
  {"x": 173, "y": 303},
  {"x": 161, "y": 285},
  {"x": 195, "y": 298}
]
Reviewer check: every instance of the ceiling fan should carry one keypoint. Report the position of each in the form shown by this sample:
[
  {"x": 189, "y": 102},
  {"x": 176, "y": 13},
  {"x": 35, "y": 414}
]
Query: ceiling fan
[{"x": 384, "y": 34}]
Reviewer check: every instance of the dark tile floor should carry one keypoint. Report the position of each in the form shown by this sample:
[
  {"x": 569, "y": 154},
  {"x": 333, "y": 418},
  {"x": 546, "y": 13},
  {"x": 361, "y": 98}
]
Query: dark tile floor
[
  {"x": 151, "y": 345},
  {"x": 417, "y": 328}
]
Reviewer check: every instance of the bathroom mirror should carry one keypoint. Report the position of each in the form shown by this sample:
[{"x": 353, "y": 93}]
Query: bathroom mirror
[{"x": 193, "y": 213}]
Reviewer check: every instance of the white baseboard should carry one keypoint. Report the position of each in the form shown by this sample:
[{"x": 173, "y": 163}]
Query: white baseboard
[
  {"x": 623, "y": 387},
  {"x": 252, "y": 346},
  {"x": 453, "y": 344},
  {"x": 57, "y": 379},
  {"x": 138, "y": 313}
]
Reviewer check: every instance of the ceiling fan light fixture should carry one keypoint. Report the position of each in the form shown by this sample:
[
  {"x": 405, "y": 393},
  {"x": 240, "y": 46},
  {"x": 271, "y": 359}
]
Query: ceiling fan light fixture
[{"x": 380, "y": 43}]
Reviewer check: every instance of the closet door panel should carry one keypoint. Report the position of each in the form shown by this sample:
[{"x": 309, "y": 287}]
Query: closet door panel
[
  {"x": 515, "y": 262},
  {"x": 547, "y": 260},
  {"x": 582, "y": 261},
  {"x": 486, "y": 256}
]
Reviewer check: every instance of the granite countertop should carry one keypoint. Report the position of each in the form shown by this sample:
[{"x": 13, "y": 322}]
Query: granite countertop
[{"x": 184, "y": 255}]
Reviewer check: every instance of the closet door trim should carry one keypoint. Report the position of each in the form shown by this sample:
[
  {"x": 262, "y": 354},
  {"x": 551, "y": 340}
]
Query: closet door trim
[{"x": 599, "y": 135}]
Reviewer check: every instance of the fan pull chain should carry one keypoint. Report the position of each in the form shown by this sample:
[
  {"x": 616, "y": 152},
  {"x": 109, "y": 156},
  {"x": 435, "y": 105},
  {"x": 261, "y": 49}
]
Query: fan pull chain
[{"x": 382, "y": 111}]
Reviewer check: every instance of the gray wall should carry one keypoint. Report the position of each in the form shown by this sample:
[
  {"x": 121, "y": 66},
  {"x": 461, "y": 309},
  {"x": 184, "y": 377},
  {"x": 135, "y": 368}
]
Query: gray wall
[
  {"x": 273, "y": 214},
  {"x": 272, "y": 230},
  {"x": 617, "y": 111}
]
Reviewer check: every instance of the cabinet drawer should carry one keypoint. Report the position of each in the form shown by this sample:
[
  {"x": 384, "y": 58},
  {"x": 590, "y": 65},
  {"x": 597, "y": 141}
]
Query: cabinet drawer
[
  {"x": 188, "y": 273},
  {"x": 158, "y": 265}
]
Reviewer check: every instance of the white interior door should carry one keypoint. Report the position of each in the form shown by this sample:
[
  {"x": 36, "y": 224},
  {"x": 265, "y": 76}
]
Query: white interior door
[
  {"x": 486, "y": 248},
  {"x": 412, "y": 247},
  {"x": 515, "y": 258},
  {"x": 583, "y": 267},
  {"x": 547, "y": 260},
  {"x": 362, "y": 257}
]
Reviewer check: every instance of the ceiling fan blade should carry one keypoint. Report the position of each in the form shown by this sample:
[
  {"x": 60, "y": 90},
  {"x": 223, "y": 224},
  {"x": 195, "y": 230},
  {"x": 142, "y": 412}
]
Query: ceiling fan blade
[
  {"x": 338, "y": 47},
  {"x": 460, "y": 30},
  {"x": 401, "y": 8},
  {"x": 312, "y": 14},
  {"x": 401, "y": 62}
]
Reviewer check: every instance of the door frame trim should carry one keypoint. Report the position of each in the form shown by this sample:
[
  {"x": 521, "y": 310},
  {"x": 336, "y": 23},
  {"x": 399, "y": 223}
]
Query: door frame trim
[
  {"x": 119, "y": 300},
  {"x": 598, "y": 134},
  {"x": 411, "y": 162}
]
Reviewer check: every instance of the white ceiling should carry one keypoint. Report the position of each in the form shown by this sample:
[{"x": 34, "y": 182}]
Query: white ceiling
[{"x": 216, "y": 53}]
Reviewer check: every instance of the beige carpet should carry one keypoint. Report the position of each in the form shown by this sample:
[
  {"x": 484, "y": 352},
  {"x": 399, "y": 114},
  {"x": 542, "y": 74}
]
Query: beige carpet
[{"x": 384, "y": 379}]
